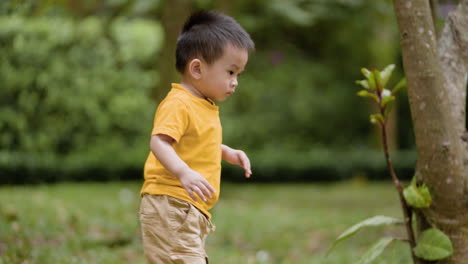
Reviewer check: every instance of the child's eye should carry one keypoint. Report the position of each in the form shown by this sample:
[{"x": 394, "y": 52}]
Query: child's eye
[{"x": 230, "y": 72}]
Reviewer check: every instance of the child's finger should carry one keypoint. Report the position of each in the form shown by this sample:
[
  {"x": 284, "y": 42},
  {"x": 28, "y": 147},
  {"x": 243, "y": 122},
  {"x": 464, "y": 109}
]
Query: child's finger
[
  {"x": 190, "y": 192},
  {"x": 205, "y": 190},
  {"x": 199, "y": 193},
  {"x": 209, "y": 187},
  {"x": 245, "y": 162}
]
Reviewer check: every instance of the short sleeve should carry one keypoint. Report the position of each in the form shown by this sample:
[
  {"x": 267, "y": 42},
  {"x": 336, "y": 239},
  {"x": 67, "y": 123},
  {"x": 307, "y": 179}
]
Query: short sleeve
[{"x": 171, "y": 119}]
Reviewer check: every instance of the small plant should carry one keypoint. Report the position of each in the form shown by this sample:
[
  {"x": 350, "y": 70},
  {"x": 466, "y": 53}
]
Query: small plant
[{"x": 432, "y": 244}]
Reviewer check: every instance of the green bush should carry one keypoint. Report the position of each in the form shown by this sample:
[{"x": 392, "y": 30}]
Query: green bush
[
  {"x": 74, "y": 104},
  {"x": 316, "y": 164},
  {"x": 72, "y": 97},
  {"x": 294, "y": 104}
]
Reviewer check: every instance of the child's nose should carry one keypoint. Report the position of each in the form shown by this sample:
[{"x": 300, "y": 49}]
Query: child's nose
[{"x": 234, "y": 83}]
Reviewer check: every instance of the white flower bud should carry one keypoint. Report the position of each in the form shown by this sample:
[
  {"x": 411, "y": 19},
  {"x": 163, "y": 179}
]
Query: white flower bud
[{"x": 386, "y": 93}]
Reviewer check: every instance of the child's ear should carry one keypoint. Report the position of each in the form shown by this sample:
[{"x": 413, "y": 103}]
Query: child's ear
[{"x": 194, "y": 68}]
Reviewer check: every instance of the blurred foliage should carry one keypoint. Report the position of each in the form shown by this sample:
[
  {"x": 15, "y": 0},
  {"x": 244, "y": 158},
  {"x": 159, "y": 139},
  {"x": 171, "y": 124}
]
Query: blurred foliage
[
  {"x": 71, "y": 97},
  {"x": 300, "y": 74},
  {"x": 295, "y": 109},
  {"x": 296, "y": 104},
  {"x": 75, "y": 78}
]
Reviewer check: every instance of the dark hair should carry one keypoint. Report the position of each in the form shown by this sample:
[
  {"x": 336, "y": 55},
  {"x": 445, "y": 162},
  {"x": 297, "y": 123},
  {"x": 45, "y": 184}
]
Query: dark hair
[{"x": 205, "y": 34}]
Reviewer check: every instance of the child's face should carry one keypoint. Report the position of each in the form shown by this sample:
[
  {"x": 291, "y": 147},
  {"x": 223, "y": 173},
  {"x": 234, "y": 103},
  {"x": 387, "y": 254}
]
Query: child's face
[{"x": 219, "y": 79}]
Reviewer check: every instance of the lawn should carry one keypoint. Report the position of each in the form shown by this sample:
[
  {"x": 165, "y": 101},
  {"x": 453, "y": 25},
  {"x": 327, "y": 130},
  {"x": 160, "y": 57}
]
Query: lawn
[{"x": 256, "y": 223}]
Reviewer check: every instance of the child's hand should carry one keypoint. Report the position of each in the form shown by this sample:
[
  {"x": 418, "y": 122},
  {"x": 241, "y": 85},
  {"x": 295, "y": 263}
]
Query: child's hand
[
  {"x": 193, "y": 182},
  {"x": 237, "y": 157}
]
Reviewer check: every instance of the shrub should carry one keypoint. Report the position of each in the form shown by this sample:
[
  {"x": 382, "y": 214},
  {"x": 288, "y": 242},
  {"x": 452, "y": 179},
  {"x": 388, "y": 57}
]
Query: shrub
[{"x": 74, "y": 96}]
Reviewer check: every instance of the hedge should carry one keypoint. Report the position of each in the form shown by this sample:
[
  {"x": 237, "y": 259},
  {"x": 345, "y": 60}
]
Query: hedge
[{"x": 74, "y": 105}]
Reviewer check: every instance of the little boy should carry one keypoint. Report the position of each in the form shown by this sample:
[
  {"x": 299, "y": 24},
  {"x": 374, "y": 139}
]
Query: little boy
[{"x": 182, "y": 171}]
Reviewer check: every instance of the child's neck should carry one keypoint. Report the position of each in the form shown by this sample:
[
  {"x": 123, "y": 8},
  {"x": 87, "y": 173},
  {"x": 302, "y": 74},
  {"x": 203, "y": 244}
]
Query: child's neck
[{"x": 193, "y": 90}]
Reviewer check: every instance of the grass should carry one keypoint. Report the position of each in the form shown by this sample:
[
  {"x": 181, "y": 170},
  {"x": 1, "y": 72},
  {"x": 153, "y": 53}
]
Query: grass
[{"x": 256, "y": 223}]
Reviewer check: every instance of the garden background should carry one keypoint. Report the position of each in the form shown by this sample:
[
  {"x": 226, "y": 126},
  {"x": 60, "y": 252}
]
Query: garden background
[{"x": 76, "y": 112}]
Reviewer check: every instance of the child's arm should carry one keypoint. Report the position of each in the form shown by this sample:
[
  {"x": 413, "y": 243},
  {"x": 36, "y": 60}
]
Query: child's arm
[
  {"x": 237, "y": 157},
  {"x": 192, "y": 181}
]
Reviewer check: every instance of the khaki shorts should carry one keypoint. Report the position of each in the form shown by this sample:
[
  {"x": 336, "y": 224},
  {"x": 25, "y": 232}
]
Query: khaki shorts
[{"x": 173, "y": 231}]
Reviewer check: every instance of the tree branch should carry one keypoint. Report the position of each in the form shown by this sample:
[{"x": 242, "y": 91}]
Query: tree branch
[
  {"x": 453, "y": 53},
  {"x": 460, "y": 28}
]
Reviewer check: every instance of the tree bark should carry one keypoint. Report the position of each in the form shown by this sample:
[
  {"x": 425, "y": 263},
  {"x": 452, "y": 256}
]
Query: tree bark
[
  {"x": 453, "y": 52},
  {"x": 437, "y": 101},
  {"x": 435, "y": 14},
  {"x": 174, "y": 14}
]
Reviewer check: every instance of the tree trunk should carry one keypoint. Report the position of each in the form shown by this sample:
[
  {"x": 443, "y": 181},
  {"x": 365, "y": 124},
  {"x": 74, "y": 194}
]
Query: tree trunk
[
  {"x": 174, "y": 14},
  {"x": 436, "y": 88}
]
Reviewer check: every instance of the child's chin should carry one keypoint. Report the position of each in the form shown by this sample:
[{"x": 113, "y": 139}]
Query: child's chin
[{"x": 221, "y": 99}]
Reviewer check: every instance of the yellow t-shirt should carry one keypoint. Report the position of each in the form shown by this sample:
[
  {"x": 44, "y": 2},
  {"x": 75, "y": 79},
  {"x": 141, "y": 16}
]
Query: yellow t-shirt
[{"x": 195, "y": 126}]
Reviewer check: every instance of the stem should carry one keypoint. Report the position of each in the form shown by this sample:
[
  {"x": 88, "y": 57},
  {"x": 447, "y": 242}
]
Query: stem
[{"x": 407, "y": 212}]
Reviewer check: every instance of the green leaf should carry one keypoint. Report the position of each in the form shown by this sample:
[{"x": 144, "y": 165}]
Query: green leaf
[
  {"x": 366, "y": 72},
  {"x": 365, "y": 93},
  {"x": 378, "y": 220},
  {"x": 414, "y": 180},
  {"x": 377, "y": 118},
  {"x": 387, "y": 73},
  {"x": 432, "y": 245},
  {"x": 373, "y": 252},
  {"x": 417, "y": 197},
  {"x": 378, "y": 80},
  {"x": 386, "y": 100},
  {"x": 363, "y": 83},
  {"x": 401, "y": 84},
  {"x": 371, "y": 82}
]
